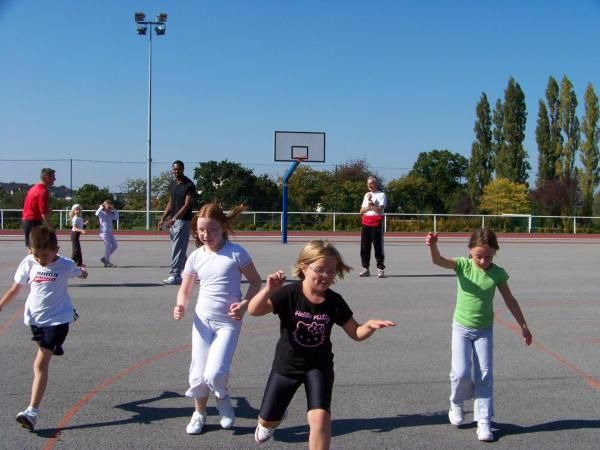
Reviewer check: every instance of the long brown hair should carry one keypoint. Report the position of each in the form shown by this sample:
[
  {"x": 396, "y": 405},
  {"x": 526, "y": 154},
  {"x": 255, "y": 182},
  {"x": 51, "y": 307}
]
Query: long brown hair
[
  {"x": 484, "y": 236},
  {"x": 215, "y": 212}
]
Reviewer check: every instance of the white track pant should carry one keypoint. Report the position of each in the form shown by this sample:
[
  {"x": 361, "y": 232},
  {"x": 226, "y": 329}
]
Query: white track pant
[
  {"x": 472, "y": 375},
  {"x": 110, "y": 244},
  {"x": 213, "y": 346}
]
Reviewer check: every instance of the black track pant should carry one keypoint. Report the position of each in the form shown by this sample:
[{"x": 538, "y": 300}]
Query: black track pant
[{"x": 374, "y": 236}]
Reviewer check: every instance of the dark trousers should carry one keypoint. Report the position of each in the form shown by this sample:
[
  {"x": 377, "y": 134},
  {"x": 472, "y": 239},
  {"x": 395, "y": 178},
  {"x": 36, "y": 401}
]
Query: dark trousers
[
  {"x": 372, "y": 236},
  {"x": 29, "y": 225},
  {"x": 76, "y": 248}
]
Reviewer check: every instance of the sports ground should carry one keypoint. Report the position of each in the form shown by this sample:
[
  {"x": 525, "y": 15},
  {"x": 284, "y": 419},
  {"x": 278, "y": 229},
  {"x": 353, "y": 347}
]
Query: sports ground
[{"x": 121, "y": 381}]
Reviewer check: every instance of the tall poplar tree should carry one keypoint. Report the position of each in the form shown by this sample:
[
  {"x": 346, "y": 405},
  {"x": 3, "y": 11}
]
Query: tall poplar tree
[
  {"x": 511, "y": 161},
  {"x": 479, "y": 173},
  {"x": 590, "y": 156},
  {"x": 556, "y": 139},
  {"x": 498, "y": 131},
  {"x": 546, "y": 160},
  {"x": 569, "y": 123}
]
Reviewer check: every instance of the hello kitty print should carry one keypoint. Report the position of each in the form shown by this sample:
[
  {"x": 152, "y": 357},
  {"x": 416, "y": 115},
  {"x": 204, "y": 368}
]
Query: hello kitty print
[{"x": 310, "y": 328}]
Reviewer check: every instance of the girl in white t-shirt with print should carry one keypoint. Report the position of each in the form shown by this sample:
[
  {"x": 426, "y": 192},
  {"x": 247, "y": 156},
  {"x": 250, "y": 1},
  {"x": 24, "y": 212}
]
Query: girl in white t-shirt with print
[
  {"x": 77, "y": 229},
  {"x": 218, "y": 264}
]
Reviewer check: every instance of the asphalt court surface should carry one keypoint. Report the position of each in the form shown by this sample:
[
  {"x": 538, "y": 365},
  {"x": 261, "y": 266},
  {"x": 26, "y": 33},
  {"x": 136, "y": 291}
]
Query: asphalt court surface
[{"x": 121, "y": 381}]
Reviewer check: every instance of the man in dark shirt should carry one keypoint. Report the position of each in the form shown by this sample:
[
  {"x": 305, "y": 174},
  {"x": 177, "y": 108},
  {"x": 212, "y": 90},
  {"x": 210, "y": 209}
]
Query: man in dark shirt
[
  {"x": 177, "y": 217},
  {"x": 36, "y": 210}
]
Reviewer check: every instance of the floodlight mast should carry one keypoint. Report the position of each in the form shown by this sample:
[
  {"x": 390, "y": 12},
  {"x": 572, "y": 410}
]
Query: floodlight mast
[{"x": 160, "y": 28}]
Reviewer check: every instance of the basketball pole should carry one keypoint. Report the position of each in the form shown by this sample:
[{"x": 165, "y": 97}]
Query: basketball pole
[{"x": 284, "y": 213}]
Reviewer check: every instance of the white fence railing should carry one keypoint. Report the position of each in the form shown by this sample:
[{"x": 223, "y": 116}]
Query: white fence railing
[{"x": 339, "y": 221}]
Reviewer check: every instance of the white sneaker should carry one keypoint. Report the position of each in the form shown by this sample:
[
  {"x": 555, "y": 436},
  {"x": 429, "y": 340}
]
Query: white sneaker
[
  {"x": 364, "y": 273},
  {"x": 27, "y": 419},
  {"x": 226, "y": 411},
  {"x": 263, "y": 434},
  {"x": 196, "y": 423},
  {"x": 484, "y": 432},
  {"x": 172, "y": 280},
  {"x": 380, "y": 273},
  {"x": 456, "y": 416}
]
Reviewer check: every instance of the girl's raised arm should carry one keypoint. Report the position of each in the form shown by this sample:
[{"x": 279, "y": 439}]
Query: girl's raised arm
[
  {"x": 436, "y": 258},
  {"x": 261, "y": 303}
]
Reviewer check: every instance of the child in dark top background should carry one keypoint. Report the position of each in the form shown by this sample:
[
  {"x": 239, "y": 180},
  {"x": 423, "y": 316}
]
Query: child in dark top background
[{"x": 307, "y": 310}]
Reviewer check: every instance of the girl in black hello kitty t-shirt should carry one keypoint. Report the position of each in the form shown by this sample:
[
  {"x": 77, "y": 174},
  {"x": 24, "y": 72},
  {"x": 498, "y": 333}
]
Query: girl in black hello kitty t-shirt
[{"x": 307, "y": 309}]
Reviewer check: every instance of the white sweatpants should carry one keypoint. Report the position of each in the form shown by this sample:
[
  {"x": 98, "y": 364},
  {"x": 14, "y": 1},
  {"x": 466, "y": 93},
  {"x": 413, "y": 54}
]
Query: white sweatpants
[
  {"x": 213, "y": 346},
  {"x": 472, "y": 375},
  {"x": 110, "y": 245}
]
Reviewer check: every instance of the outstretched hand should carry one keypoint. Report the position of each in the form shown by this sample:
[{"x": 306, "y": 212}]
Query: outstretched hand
[
  {"x": 275, "y": 280},
  {"x": 375, "y": 324},
  {"x": 431, "y": 239}
]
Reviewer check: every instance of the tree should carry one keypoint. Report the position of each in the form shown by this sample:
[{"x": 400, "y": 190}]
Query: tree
[
  {"x": 503, "y": 196},
  {"x": 511, "y": 160},
  {"x": 445, "y": 171},
  {"x": 410, "y": 194},
  {"x": 498, "y": 141},
  {"x": 308, "y": 188},
  {"x": 350, "y": 180},
  {"x": 90, "y": 196},
  {"x": 229, "y": 184},
  {"x": 135, "y": 192},
  {"x": 479, "y": 172},
  {"x": 590, "y": 173},
  {"x": 546, "y": 151},
  {"x": 556, "y": 139},
  {"x": 570, "y": 128}
]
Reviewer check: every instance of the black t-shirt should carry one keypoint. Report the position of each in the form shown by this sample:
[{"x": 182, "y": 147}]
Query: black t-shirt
[
  {"x": 178, "y": 193},
  {"x": 305, "y": 328}
]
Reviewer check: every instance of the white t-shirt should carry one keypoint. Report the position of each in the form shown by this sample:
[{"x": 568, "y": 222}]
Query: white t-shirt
[
  {"x": 378, "y": 198},
  {"x": 48, "y": 302},
  {"x": 77, "y": 223},
  {"x": 220, "y": 275}
]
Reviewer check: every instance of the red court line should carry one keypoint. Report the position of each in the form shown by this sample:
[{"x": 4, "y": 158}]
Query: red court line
[
  {"x": 590, "y": 380},
  {"x": 104, "y": 384},
  {"x": 6, "y": 325}
]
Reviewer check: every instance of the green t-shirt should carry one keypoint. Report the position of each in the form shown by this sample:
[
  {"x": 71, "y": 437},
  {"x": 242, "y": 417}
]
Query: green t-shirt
[{"x": 475, "y": 293}]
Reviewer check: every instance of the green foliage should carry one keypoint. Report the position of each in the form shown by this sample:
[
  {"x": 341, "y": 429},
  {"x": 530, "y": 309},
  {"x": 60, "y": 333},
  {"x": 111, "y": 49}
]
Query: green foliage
[
  {"x": 546, "y": 153},
  {"x": 590, "y": 156},
  {"x": 230, "y": 184},
  {"x": 90, "y": 196},
  {"x": 308, "y": 188},
  {"x": 503, "y": 196},
  {"x": 410, "y": 194},
  {"x": 569, "y": 124},
  {"x": 479, "y": 172},
  {"x": 444, "y": 171},
  {"x": 511, "y": 159}
]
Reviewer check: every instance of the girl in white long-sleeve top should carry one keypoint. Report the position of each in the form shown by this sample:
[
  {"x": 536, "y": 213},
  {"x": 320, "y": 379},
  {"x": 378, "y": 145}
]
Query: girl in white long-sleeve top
[{"x": 106, "y": 215}]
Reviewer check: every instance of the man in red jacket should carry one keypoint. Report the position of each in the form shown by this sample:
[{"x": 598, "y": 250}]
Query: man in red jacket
[{"x": 36, "y": 210}]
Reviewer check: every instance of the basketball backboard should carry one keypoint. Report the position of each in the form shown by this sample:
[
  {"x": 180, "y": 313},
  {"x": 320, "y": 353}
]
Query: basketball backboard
[{"x": 299, "y": 145}]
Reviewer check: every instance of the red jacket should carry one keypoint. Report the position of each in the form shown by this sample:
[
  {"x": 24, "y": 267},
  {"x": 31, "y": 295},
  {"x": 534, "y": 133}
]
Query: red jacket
[{"x": 36, "y": 202}]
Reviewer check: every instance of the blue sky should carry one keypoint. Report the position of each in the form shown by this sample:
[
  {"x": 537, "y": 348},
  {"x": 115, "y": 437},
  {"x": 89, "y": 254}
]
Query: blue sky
[{"x": 385, "y": 80}]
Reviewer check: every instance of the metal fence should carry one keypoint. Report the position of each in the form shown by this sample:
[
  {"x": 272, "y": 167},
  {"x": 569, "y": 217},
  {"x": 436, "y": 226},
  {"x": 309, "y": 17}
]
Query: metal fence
[{"x": 338, "y": 222}]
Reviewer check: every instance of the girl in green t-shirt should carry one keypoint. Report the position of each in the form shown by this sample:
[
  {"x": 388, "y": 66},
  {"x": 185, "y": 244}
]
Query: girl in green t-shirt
[{"x": 472, "y": 337}]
